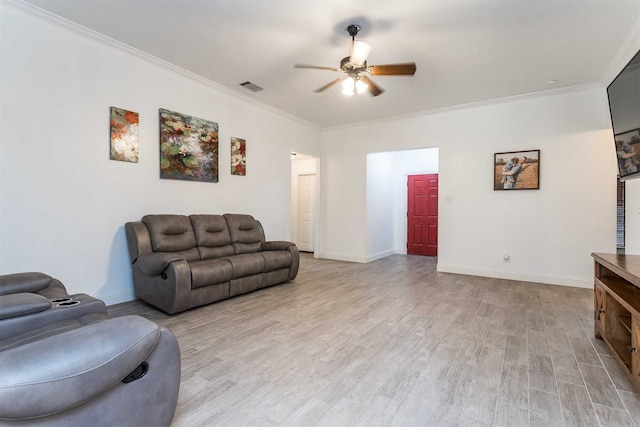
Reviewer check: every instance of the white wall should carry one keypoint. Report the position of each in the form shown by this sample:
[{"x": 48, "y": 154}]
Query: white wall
[
  {"x": 343, "y": 201},
  {"x": 380, "y": 206},
  {"x": 549, "y": 233},
  {"x": 64, "y": 203}
]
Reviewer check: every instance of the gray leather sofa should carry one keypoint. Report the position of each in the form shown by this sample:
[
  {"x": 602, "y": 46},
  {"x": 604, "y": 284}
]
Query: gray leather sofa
[
  {"x": 181, "y": 262},
  {"x": 63, "y": 362}
]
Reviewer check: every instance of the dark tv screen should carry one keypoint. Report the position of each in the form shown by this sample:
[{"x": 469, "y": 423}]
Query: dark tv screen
[{"x": 624, "y": 104}]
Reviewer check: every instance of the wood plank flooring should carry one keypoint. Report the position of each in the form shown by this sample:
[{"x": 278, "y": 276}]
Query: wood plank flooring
[{"x": 395, "y": 343}]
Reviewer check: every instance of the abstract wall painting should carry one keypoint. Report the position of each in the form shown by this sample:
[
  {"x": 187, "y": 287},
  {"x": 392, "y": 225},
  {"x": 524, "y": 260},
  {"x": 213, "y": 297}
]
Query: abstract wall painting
[
  {"x": 124, "y": 135},
  {"x": 238, "y": 156},
  {"x": 516, "y": 170},
  {"x": 188, "y": 147}
]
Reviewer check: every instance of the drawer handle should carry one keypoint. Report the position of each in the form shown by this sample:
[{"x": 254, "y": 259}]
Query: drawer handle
[
  {"x": 601, "y": 311},
  {"x": 632, "y": 349}
]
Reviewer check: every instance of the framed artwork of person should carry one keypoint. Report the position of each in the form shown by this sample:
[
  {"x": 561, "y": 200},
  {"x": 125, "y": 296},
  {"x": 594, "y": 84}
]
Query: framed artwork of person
[{"x": 516, "y": 170}]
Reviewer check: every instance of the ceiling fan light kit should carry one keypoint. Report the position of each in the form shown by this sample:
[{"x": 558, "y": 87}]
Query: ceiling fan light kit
[
  {"x": 357, "y": 72},
  {"x": 352, "y": 86}
]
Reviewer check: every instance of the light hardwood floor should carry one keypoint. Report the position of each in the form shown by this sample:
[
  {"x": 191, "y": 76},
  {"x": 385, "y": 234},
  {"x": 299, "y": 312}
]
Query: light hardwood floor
[{"x": 394, "y": 342}]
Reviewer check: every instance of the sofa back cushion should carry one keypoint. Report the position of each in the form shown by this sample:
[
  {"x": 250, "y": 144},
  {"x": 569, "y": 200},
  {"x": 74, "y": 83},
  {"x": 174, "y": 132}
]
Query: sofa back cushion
[
  {"x": 212, "y": 236},
  {"x": 246, "y": 233},
  {"x": 172, "y": 233}
]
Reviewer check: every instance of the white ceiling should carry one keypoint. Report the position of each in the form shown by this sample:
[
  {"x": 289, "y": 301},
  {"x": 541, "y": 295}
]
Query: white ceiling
[{"x": 466, "y": 51}]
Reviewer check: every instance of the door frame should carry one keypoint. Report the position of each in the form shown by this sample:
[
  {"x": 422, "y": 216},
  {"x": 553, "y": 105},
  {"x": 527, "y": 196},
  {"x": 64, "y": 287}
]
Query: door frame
[{"x": 317, "y": 226}]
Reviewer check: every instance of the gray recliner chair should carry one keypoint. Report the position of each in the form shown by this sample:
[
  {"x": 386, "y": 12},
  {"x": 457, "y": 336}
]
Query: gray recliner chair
[{"x": 64, "y": 362}]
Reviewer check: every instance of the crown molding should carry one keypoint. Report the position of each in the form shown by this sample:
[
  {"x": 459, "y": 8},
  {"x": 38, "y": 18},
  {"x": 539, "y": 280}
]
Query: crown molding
[
  {"x": 467, "y": 106},
  {"x": 94, "y": 35}
]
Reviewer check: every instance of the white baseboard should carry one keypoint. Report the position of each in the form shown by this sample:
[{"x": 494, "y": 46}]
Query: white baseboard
[
  {"x": 117, "y": 297},
  {"x": 381, "y": 255},
  {"x": 548, "y": 280},
  {"x": 339, "y": 257},
  {"x": 362, "y": 260}
]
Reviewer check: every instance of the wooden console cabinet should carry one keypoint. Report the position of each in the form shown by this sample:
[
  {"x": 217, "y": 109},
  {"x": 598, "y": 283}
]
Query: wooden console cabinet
[{"x": 617, "y": 309}]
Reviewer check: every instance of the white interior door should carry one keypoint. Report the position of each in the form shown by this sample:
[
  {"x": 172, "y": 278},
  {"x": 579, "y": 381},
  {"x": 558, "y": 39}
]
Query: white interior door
[{"x": 306, "y": 212}]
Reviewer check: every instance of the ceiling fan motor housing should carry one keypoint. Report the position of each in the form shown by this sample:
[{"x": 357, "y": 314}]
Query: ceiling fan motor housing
[{"x": 350, "y": 68}]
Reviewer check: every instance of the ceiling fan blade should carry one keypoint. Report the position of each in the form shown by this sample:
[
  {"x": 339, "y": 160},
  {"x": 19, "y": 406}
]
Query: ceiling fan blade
[
  {"x": 373, "y": 88},
  {"x": 406, "y": 69},
  {"x": 328, "y": 85},
  {"x": 314, "y": 67},
  {"x": 359, "y": 52}
]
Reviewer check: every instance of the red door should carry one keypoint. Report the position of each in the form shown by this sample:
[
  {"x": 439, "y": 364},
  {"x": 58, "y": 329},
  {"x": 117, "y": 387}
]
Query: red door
[{"x": 422, "y": 215}]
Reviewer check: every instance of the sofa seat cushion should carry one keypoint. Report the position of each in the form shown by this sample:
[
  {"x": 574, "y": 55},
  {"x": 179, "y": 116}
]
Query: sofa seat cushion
[
  {"x": 209, "y": 272},
  {"x": 275, "y": 260},
  {"x": 246, "y": 264}
]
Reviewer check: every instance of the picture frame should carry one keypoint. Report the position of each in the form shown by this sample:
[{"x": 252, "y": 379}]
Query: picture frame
[
  {"x": 124, "y": 135},
  {"x": 238, "y": 156},
  {"x": 516, "y": 170},
  {"x": 188, "y": 147},
  {"x": 628, "y": 153}
]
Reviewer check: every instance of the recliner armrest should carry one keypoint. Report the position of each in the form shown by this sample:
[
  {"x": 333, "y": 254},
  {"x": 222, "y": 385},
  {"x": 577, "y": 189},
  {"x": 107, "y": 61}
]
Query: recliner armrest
[
  {"x": 24, "y": 282},
  {"x": 276, "y": 245},
  {"x": 21, "y": 304},
  {"x": 58, "y": 373},
  {"x": 155, "y": 263}
]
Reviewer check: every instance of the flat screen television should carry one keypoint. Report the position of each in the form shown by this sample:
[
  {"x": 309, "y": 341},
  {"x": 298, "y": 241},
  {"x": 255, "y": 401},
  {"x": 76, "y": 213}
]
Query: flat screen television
[{"x": 624, "y": 105}]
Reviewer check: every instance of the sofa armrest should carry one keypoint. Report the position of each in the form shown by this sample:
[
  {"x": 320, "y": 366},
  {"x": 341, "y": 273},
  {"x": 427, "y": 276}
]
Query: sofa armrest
[
  {"x": 276, "y": 245},
  {"x": 22, "y": 304},
  {"x": 24, "y": 282},
  {"x": 155, "y": 263},
  {"x": 138, "y": 239},
  {"x": 281, "y": 245},
  {"x": 61, "y": 372}
]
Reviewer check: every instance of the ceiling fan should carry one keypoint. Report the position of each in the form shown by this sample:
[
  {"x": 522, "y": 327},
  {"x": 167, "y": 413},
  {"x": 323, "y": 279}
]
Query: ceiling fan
[{"x": 358, "y": 72}]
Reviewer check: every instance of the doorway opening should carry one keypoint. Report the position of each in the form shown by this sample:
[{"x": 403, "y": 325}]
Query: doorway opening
[
  {"x": 305, "y": 202},
  {"x": 387, "y": 202}
]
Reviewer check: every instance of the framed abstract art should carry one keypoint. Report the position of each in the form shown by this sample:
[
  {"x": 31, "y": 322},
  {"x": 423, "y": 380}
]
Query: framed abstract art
[
  {"x": 124, "y": 135},
  {"x": 188, "y": 147},
  {"x": 238, "y": 156}
]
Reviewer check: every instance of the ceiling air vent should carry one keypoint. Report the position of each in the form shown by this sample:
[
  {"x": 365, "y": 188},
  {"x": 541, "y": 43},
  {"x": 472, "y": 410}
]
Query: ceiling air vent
[{"x": 251, "y": 86}]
